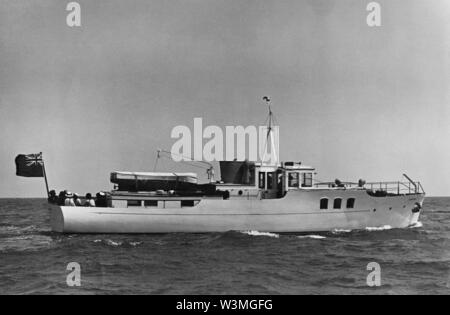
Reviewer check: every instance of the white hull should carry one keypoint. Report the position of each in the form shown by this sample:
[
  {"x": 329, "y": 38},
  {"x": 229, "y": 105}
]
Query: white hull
[{"x": 298, "y": 211}]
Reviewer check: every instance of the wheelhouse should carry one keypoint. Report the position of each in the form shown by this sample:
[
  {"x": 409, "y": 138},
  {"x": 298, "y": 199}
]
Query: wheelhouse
[{"x": 245, "y": 179}]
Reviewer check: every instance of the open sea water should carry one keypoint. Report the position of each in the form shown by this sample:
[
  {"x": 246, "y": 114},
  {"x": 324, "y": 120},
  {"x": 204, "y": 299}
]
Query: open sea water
[{"x": 34, "y": 260}]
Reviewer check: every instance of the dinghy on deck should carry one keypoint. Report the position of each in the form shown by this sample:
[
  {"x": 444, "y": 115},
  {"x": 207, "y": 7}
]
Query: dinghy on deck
[{"x": 152, "y": 181}]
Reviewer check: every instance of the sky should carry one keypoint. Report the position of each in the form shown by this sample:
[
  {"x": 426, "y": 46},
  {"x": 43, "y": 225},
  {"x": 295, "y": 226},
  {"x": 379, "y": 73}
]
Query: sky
[{"x": 351, "y": 100}]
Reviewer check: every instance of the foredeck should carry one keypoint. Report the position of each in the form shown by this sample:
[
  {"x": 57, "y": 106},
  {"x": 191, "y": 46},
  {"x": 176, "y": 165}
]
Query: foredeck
[{"x": 390, "y": 188}]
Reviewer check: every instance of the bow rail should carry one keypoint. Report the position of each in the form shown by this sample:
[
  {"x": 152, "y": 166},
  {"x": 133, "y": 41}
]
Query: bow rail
[{"x": 379, "y": 188}]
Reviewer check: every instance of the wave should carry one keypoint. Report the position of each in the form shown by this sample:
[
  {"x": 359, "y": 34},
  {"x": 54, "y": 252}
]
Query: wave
[
  {"x": 316, "y": 237},
  {"x": 14, "y": 229},
  {"x": 379, "y": 228},
  {"x": 113, "y": 243},
  {"x": 257, "y": 233},
  {"x": 109, "y": 242},
  {"x": 26, "y": 243},
  {"x": 340, "y": 231},
  {"x": 117, "y": 243},
  {"x": 416, "y": 225}
]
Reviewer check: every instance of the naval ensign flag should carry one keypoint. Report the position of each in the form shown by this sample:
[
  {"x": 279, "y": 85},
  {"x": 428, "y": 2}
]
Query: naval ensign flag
[{"x": 31, "y": 165}]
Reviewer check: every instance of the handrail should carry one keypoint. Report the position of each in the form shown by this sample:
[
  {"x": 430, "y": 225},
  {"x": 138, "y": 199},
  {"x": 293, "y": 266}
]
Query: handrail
[
  {"x": 421, "y": 188},
  {"x": 411, "y": 181},
  {"x": 397, "y": 187}
]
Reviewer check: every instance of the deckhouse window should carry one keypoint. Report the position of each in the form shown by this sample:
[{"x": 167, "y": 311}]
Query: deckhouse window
[
  {"x": 293, "y": 180},
  {"x": 350, "y": 203},
  {"x": 337, "y": 203},
  {"x": 324, "y": 203},
  {"x": 270, "y": 177},
  {"x": 134, "y": 203},
  {"x": 187, "y": 203},
  {"x": 262, "y": 180},
  {"x": 307, "y": 180},
  {"x": 151, "y": 203}
]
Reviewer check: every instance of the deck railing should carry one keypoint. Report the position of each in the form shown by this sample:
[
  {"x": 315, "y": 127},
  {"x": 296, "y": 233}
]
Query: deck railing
[{"x": 397, "y": 188}]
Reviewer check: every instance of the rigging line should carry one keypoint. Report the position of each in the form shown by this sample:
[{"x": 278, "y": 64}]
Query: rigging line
[
  {"x": 268, "y": 120},
  {"x": 186, "y": 157},
  {"x": 156, "y": 162},
  {"x": 185, "y": 162},
  {"x": 163, "y": 164},
  {"x": 265, "y": 121},
  {"x": 273, "y": 119}
]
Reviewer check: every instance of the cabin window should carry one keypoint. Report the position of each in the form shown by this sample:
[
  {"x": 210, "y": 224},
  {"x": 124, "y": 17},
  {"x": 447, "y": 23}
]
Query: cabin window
[
  {"x": 337, "y": 203},
  {"x": 307, "y": 180},
  {"x": 350, "y": 203},
  {"x": 134, "y": 203},
  {"x": 293, "y": 180},
  {"x": 262, "y": 180},
  {"x": 324, "y": 203},
  {"x": 151, "y": 203},
  {"x": 270, "y": 178},
  {"x": 187, "y": 203}
]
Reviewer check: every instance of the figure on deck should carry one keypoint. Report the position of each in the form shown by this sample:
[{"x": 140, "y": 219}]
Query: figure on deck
[
  {"x": 101, "y": 200},
  {"x": 69, "y": 202},
  {"x": 52, "y": 198},
  {"x": 61, "y": 198},
  {"x": 77, "y": 200},
  {"x": 90, "y": 202}
]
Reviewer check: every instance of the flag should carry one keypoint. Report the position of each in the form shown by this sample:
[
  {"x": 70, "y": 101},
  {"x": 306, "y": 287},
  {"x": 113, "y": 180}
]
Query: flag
[{"x": 30, "y": 165}]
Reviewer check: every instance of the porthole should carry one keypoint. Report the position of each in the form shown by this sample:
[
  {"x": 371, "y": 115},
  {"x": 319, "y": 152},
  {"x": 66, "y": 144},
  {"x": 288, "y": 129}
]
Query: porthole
[
  {"x": 350, "y": 203},
  {"x": 337, "y": 203}
]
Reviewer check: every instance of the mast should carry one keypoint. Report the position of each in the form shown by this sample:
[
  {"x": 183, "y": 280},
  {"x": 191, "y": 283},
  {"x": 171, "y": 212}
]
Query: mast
[{"x": 270, "y": 134}]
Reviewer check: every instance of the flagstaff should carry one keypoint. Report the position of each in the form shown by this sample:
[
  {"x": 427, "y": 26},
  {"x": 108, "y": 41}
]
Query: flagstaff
[{"x": 45, "y": 175}]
